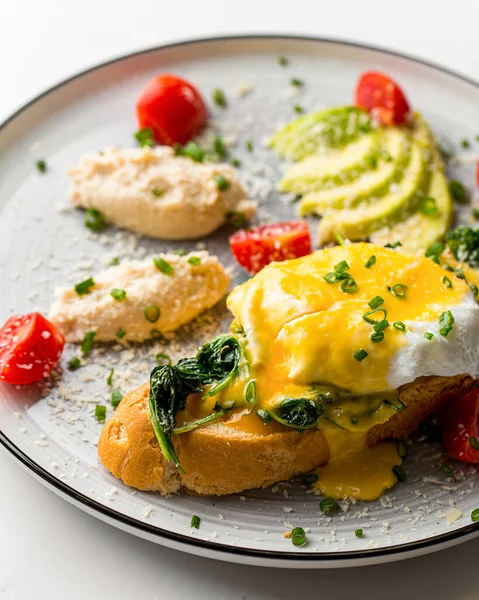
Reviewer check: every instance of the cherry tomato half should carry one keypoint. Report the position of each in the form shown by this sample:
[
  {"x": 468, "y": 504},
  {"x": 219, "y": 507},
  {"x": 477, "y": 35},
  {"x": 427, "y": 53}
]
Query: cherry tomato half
[
  {"x": 256, "y": 247},
  {"x": 172, "y": 108},
  {"x": 30, "y": 347},
  {"x": 460, "y": 432},
  {"x": 382, "y": 98}
]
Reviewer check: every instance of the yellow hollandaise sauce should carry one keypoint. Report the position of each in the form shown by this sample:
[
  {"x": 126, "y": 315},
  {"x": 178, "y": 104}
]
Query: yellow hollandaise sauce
[{"x": 325, "y": 329}]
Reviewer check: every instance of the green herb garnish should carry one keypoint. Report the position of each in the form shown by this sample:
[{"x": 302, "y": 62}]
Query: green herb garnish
[
  {"x": 339, "y": 238},
  {"x": 370, "y": 262},
  {"x": 360, "y": 355},
  {"x": 458, "y": 191},
  {"x": 74, "y": 363},
  {"x": 235, "y": 162},
  {"x": 264, "y": 415},
  {"x": 145, "y": 137},
  {"x": 163, "y": 359},
  {"x": 399, "y": 290},
  {"x": 465, "y": 143},
  {"x": 428, "y": 206},
  {"x": 84, "y": 287},
  {"x": 157, "y": 191},
  {"x": 222, "y": 183},
  {"x": 283, "y": 61},
  {"x": 250, "y": 392},
  {"x": 399, "y": 325},
  {"x": 475, "y": 515},
  {"x": 349, "y": 286},
  {"x": 235, "y": 218},
  {"x": 116, "y": 397},
  {"x": 298, "y": 536},
  {"x": 114, "y": 262},
  {"x": 194, "y": 260},
  {"x": 446, "y": 322},
  {"x": 296, "y": 82},
  {"x": 118, "y": 294},
  {"x": 329, "y": 506},
  {"x": 464, "y": 244},
  {"x": 164, "y": 266},
  {"x": 87, "y": 343},
  {"x": 474, "y": 442},
  {"x": 358, "y": 533},
  {"x": 376, "y": 311},
  {"x": 447, "y": 282},
  {"x": 41, "y": 166},
  {"x": 152, "y": 313},
  {"x": 100, "y": 412},
  {"x": 376, "y": 302},
  {"x": 377, "y": 336},
  {"x": 179, "y": 252},
  {"x": 191, "y": 150},
  {"x": 381, "y": 325},
  {"x": 219, "y": 98},
  {"x": 428, "y": 335},
  {"x": 448, "y": 472},
  {"x": 109, "y": 380},
  {"x": 298, "y": 109},
  {"x": 400, "y": 473},
  {"x": 195, "y": 522},
  {"x": 393, "y": 245},
  {"x": 120, "y": 333},
  {"x": 310, "y": 479},
  {"x": 218, "y": 146},
  {"x": 94, "y": 220}
]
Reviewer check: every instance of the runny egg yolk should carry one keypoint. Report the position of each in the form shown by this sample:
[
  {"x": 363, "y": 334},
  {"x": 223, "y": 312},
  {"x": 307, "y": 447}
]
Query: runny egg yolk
[{"x": 304, "y": 327}]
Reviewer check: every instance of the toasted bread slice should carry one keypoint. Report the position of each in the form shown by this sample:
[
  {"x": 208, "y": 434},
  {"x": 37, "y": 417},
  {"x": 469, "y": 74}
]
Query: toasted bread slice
[{"x": 220, "y": 460}]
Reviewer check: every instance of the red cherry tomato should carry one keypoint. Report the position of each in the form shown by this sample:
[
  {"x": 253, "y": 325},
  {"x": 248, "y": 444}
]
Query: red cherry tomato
[
  {"x": 256, "y": 247},
  {"x": 30, "y": 347},
  {"x": 461, "y": 428},
  {"x": 382, "y": 98},
  {"x": 172, "y": 108}
]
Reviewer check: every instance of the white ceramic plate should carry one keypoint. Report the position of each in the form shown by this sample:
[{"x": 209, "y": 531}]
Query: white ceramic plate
[{"x": 51, "y": 429}]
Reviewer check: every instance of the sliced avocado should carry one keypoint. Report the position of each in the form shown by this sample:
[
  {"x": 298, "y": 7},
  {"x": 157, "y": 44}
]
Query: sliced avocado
[
  {"x": 420, "y": 230},
  {"x": 371, "y": 183},
  {"x": 397, "y": 204},
  {"x": 337, "y": 167},
  {"x": 311, "y": 134}
]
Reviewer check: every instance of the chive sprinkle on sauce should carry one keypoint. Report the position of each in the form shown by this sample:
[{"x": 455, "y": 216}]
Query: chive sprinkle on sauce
[
  {"x": 164, "y": 266},
  {"x": 84, "y": 287},
  {"x": 381, "y": 326},
  {"x": 222, "y": 183},
  {"x": 349, "y": 286},
  {"x": 377, "y": 336},
  {"x": 195, "y": 522},
  {"x": 376, "y": 302},
  {"x": 250, "y": 392},
  {"x": 118, "y": 294},
  {"x": 359, "y": 533},
  {"x": 446, "y": 281},
  {"x": 370, "y": 262},
  {"x": 298, "y": 536},
  {"x": 152, "y": 313},
  {"x": 399, "y": 325},
  {"x": 475, "y": 515},
  {"x": 41, "y": 166},
  {"x": 380, "y": 313},
  {"x": 399, "y": 290},
  {"x": 116, "y": 397},
  {"x": 329, "y": 506},
  {"x": 219, "y": 98},
  {"x": 74, "y": 363},
  {"x": 264, "y": 415},
  {"x": 100, "y": 412},
  {"x": 87, "y": 343},
  {"x": 360, "y": 355}
]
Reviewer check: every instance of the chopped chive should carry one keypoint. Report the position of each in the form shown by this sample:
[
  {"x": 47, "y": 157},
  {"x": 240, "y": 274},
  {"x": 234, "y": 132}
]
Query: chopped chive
[
  {"x": 157, "y": 191},
  {"x": 458, "y": 191},
  {"x": 120, "y": 333},
  {"x": 152, "y": 313},
  {"x": 399, "y": 290},
  {"x": 400, "y": 473},
  {"x": 41, "y": 166},
  {"x": 250, "y": 392},
  {"x": 109, "y": 380},
  {"x": 219, "y": 98},
  {"x": 428, "y": 206},
  {"x": 376, "y": 302},
  {"x": 163, "y": 359},
  {"x": 354, "y": 420},
  {"x": 164, "y": 266},
  {"x": 222, "y": 183},
  {"x": 114, "y": 262},
  {"x": 475, "y": 213},
  {"x": 87, "y": 343},
  {"x": 118, "y": 294},
  {"x": 74, "y": 363},
  {"x": 84, "y": 287},
  {"x": 360, "y": 355},
  {"x": 370, "y": 262},
  {"x": 372, "y": 162},
  {"x": 218, "y": 146},
  {"x": 399, "y": 325},
  {"x": 339, "y": 238},
  {"x": 359, "y": 533},
  {"x": 235, "y": 218},
  {"x": 377, "y": 336},
  {"x": 474, "y": 289},
  {"x": 381, "y": 326},
  {"x": 331, "y": 277},
  {"x": 428, "y": 335},
  {"x": 235, "y": 162},
  {"x": 367, "y": 316},
  {"x": 296, "y": 82},
  {"x": 264, "y": 415},
  {"x": 298, "y": 536},
  {"x": 195, "y": 522},
  {"x": 349, "y": 286},
  {"x": 448, "y": 472},
  {"x": 298, "y": 109},
  {"x": 155, "y": 334},
  {"x": 475, "y": 515},
  {"x": 283, "y": 61},
  {"x": 447, "y": 282},
  {"x": 145, "y": 137},
  {"x": 446, "y": 322},
  {"x": 191, "y": 150},
  {"x": 94, "y": 220},
  {"x": 341, "y": 267},
  {"x": 402, "y": 449},
  {"x": 249, "y": 145},
  {"x": 329, "y": 506},
  {"x": 310, "y": 479},
  {"x": 393, "y": 245},
  {"x": 194, "y": 260},
  {"x": 435, "y": 249},
  {"x": 100, "y": 412},
  {"x": 474, "y": 443},
  {"x": 465, "y": 143},
  {"x": 179, "y": 252},
  {"x": 116, "y": 397}
]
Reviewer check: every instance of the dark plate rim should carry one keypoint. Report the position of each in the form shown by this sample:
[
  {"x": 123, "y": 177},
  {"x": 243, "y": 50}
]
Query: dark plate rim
[{"x": 216, "y": 547}]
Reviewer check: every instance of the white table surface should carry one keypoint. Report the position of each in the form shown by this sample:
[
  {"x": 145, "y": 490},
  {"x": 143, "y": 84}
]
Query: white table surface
[{"x": 48, "y": 549}]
